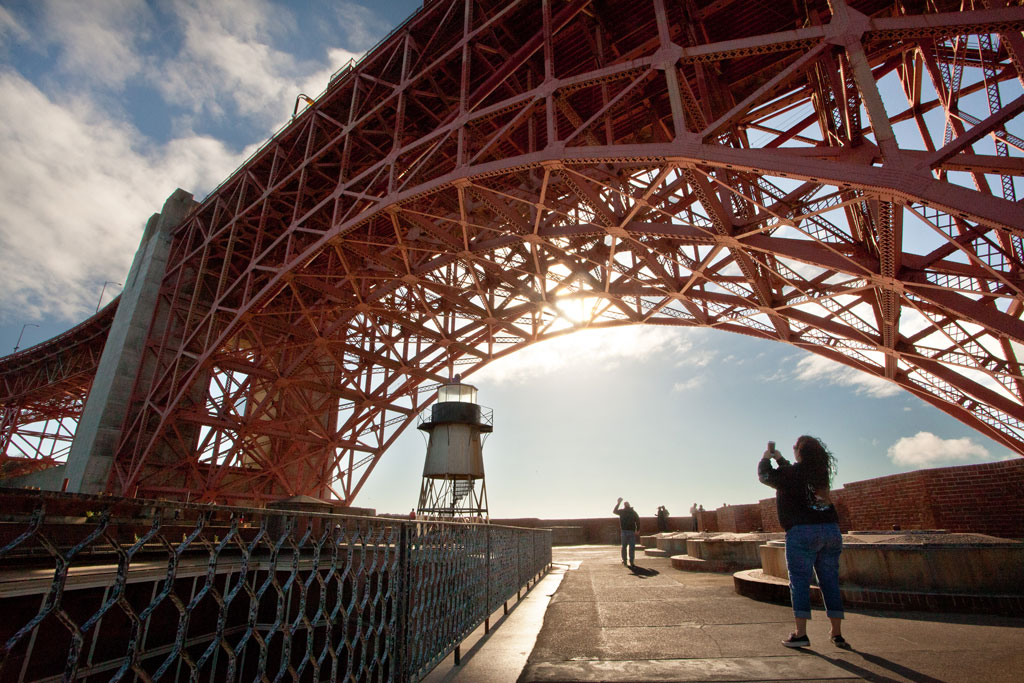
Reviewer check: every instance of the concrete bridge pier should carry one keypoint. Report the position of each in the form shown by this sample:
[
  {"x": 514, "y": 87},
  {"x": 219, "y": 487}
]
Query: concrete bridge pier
[{"x": 92, "y": 451}]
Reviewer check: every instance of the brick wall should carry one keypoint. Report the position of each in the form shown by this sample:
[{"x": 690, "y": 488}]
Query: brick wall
[
  {"x": 601, "y": 530},
  {"x": 708, "y": 520},
  {"x": 901, "y": 499},
  {"x": 985, "y": 499},
  {"x": 769, "y": 515},
  {"x": 738, "y": 518}
]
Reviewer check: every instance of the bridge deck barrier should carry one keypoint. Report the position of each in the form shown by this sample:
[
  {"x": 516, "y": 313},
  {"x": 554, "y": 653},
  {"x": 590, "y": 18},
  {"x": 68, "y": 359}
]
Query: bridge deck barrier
[{"x": 95, "y": 588}]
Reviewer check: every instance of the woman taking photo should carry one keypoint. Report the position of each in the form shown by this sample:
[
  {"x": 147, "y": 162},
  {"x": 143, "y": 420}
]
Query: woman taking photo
[{"x": 813, "y": 539}]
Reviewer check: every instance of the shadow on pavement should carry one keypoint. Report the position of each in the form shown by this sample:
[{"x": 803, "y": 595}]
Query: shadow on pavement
[
  {"x": 868, "y": 675},
  {"x": 947, "y": 617},
  {"x": 644, "y": 572}
]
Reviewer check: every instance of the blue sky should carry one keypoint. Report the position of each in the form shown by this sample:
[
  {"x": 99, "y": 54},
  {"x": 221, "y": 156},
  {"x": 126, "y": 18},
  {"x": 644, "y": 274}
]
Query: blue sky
[{"x": 109, "y": 105}]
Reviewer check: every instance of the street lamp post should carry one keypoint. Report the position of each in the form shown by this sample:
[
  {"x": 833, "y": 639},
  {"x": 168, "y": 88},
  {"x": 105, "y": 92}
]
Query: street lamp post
[
  {"x": 18, "y": 344},
  {"x": 108, "y": 282}
]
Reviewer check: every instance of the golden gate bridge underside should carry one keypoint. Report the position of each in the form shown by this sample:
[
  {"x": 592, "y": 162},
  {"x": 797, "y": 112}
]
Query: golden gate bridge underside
[{"x": 840, "y": 176}]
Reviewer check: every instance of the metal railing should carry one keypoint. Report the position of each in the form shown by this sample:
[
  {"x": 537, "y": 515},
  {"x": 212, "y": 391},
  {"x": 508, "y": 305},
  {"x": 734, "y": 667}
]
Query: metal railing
[{"x": 95, "y": 588}]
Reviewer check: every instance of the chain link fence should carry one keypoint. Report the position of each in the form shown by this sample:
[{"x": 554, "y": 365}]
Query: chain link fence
[{"x": 103, "y": 589}]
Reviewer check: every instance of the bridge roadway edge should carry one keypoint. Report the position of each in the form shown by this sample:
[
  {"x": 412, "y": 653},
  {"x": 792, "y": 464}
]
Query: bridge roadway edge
[{"x": 607, "y": 623}]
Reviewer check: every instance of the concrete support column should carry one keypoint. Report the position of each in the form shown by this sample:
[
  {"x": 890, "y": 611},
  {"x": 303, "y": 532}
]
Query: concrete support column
[{"x": 99, "y": 430}]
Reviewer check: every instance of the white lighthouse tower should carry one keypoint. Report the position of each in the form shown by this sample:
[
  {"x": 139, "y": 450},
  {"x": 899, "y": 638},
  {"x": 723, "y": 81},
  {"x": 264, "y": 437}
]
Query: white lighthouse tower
[{"x": 453, "y": 475}]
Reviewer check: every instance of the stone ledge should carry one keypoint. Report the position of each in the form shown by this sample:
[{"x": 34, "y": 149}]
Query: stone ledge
[
  {"x": 695, "y": 564},
  {"x": 753, "y": 583}
]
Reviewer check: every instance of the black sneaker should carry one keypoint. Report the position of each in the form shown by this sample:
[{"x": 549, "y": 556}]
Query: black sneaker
[
  {"x": 797, "y": 641},
  {"x": 839, "y": 641}
]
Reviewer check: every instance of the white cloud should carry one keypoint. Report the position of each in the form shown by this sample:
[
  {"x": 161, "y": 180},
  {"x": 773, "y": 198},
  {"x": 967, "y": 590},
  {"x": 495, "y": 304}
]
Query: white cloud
[
  {"x": 230, "y": 63},
  {"x": 98, "y": 38},
  {"x": 77, "y": 189},
  {"x": 361, "y": 26},
  {"x": 316, "y": 82},
  {"x": 590, "y": 349},
  {"x": 820, "y": 369},
  {"x": 688, "y": 384},
  {"x": 9, "y": 27},
  {"x": 698, "y": 358},
  {"x": 924, "y": 449},
  {"x": 78, "y": 180},
  {"x": 226, "y": 61}
]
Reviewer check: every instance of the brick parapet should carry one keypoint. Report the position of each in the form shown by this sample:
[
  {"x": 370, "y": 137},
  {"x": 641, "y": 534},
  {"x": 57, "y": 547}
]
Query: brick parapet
[
  {"x": 739, "y": 518},
  {"x": 984, "y": 499},
  {"x": 602, "y": 530}
]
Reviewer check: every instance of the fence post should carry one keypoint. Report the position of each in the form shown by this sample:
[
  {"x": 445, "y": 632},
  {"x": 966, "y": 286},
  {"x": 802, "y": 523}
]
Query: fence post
[
  {"x": 401, "y": 652},
  {"x": 533, "y": 556},
  {"x": 487, "y": 582},
  {"x": 519, "y": 567}
]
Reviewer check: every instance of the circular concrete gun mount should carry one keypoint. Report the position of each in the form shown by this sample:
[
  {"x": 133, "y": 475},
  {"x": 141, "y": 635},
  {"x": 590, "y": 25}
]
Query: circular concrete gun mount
[
  {"x": 667, "y": 544},
  {"x": 909, "y": 570},
  {"x": 711, "y": 551}
]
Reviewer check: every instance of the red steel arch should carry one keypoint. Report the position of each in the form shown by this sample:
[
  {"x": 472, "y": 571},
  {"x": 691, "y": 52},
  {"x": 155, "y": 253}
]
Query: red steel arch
[
  {"x": 42, "y": 392},
  {"x": 839, "y": 176}
]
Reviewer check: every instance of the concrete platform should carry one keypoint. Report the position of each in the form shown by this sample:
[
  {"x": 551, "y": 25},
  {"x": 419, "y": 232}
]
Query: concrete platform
[
  {"x": 685, "y": 563},
  {"x": 608, "y": 623},
  {"x": 593, "y": 620},
  {"x": 756, "y": 584}
]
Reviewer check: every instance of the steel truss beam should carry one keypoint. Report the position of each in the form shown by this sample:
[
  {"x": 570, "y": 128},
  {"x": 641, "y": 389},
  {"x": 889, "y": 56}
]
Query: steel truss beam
[
  {"x": 499, "y": 173},
  {"x": 42, "y": 393}
]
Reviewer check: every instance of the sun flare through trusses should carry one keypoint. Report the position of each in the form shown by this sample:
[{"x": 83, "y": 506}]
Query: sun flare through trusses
[{"x": 839, "y": 176}]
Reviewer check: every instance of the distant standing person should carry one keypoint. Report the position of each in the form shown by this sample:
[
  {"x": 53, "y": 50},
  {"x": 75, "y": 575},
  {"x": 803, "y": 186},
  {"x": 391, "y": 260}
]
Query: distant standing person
[
  {"x": 813, "y": 539},
  {"x": 693, "y": 514},
  {"x": 629, "y": 524},
  {"x": 662, "y": 518}
]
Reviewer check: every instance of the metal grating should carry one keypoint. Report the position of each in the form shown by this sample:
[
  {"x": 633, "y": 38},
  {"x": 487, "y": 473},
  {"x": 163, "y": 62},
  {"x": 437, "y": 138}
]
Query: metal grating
[{"x": 100, "y": 589}]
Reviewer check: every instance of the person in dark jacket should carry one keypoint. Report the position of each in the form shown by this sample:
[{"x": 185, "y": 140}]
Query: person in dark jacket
[
  {"x": 813, "y": 539},
  {"x": 662, "y": 516},
  {"x": 629, "y": 525}
]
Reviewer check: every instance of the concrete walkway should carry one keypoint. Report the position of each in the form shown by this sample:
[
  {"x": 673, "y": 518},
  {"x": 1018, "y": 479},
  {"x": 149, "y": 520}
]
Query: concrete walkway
[{"x": 607, "y": 623}]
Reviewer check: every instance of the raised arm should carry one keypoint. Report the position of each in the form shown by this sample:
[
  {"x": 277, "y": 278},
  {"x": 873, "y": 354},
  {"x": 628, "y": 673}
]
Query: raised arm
[{"x": 768, "y": 475}]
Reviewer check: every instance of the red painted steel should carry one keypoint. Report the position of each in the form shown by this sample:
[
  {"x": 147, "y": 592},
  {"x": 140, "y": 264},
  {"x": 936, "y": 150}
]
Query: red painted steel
[
  {"x": 496, "y": 173},
  {"x": 42, "y": 393}
]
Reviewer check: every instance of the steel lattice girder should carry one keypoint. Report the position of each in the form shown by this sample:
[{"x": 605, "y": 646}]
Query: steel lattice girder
[
  {"x": 814, "y": 177},
  {"x": 42, "y": 392}
]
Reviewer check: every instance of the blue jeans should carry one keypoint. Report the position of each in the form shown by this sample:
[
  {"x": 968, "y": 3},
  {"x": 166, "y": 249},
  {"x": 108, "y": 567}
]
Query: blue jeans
[
  {"x": 814, "y": 548},
  {"x": 628, "y": 538}
]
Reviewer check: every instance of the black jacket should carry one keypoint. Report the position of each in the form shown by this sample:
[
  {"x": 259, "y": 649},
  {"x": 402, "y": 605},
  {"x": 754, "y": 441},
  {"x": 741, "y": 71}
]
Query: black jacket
[
  {"x": 629, "y": 520},
  {"x": 794, "y": 495}
]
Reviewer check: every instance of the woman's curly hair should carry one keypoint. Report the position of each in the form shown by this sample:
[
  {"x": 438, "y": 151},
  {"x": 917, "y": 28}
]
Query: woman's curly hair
[{"x": 816, "y": 460}]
